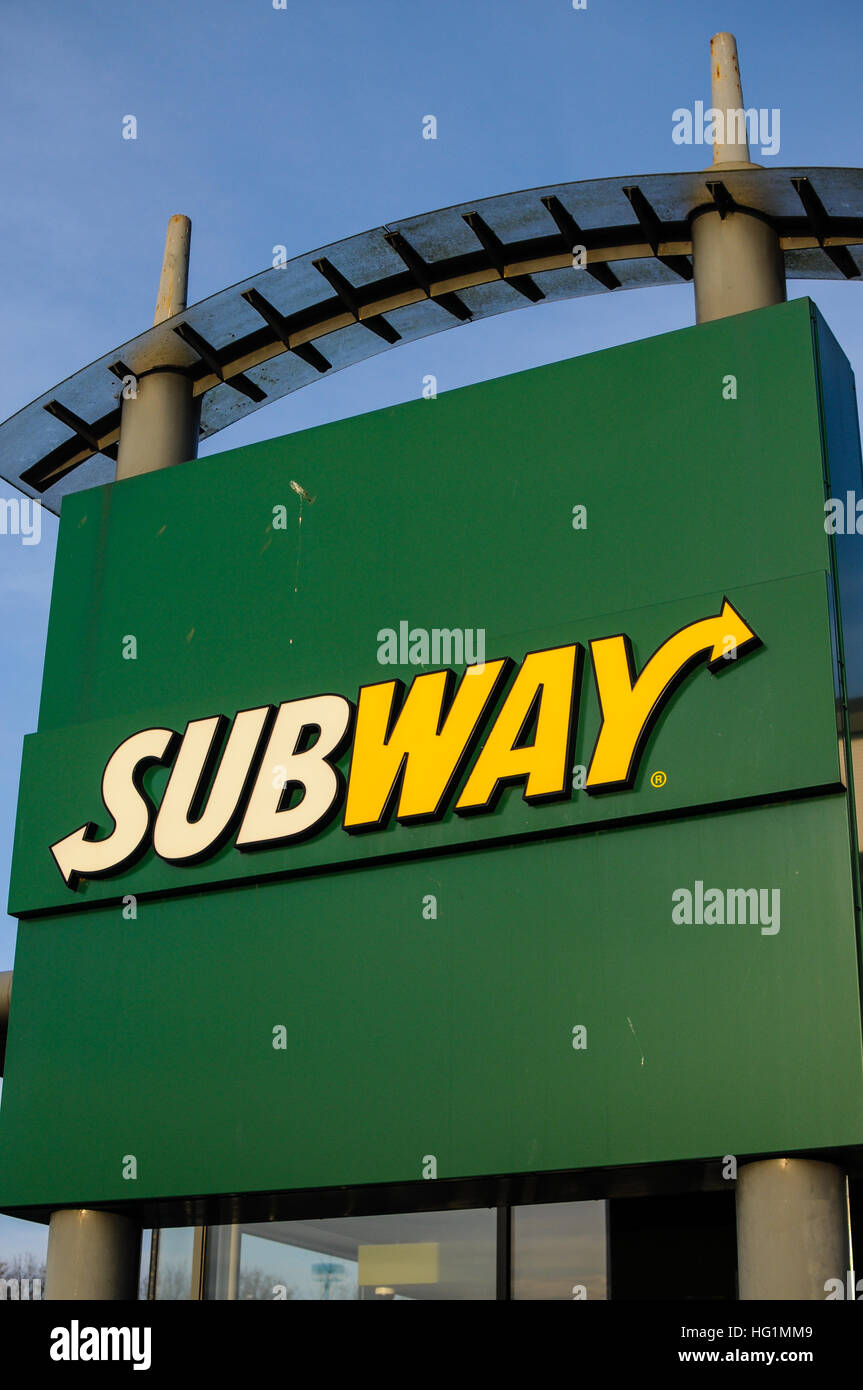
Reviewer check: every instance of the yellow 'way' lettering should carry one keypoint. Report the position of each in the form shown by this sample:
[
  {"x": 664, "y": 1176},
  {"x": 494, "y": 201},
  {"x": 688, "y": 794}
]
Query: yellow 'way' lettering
[
  {"x": 544, "y": 694},
  {"x": 421, "y": 755}
]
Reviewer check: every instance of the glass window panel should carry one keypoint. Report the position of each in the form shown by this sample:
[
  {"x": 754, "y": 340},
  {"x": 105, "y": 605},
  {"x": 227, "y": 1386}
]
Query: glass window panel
[
  {"x": 440, "y": 1255},
  {"x": 559, "y": 1251},
  {"x": 174, "y": 1269},
  {"x": 23, "y": 1252}
]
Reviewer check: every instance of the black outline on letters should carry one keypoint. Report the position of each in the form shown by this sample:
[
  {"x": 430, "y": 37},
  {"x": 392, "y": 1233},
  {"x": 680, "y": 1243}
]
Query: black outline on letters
[
  {"x": 519, "y": 778},
  {"x": 203, "y": 787},
  {"x": 140, "y": 768},
  {"x": 331, "y": 760},
  {"x": 450, "y": 692}
]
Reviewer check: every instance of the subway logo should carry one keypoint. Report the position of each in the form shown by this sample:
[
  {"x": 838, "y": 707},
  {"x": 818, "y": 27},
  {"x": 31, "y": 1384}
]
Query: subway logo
[{"x": 270, "y": 776}]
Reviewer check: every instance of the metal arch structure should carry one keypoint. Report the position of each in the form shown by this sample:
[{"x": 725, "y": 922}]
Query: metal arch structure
[{"x": 282, "y": 329}]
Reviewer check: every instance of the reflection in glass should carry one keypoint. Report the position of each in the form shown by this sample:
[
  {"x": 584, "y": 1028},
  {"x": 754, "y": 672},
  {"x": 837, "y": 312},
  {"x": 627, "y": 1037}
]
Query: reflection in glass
[
  {"x": 175, "y": 1269},
  {"x": 419, "y": 1255},
  {"x": 559, "y": 1251}
]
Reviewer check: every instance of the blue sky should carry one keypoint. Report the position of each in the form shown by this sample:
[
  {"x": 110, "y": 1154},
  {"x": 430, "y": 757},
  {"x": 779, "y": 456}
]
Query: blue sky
[{"x": 304, "y": 125}]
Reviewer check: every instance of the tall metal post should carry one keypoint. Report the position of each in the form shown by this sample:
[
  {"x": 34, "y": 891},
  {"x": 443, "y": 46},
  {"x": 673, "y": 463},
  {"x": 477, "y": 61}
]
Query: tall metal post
[
  {"x": 222, "y": 1264},
  {"x": 792, "y": 1214},
  {"x": 159, "y": 423},
  {"x": 96, "y": 1254},
  {"x": 736, "y": 256}
]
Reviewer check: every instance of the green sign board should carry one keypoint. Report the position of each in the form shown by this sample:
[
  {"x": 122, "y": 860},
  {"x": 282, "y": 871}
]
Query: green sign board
[{"x": 455, "y": 790}]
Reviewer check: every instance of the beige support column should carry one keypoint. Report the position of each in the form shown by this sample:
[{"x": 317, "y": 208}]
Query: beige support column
[
  {"x": 92, "y": 1255},
  {"x": 792, "y": 1213},
  {"x": 736, "y": 257},
  {"x": 95, "y": 1254},
  {"x": 159, "y": 425},
  {"x": 792, "y": 1229}
]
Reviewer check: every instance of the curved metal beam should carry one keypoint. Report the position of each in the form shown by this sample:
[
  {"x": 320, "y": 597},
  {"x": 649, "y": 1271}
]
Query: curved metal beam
[{"x": 287, "y": 326}]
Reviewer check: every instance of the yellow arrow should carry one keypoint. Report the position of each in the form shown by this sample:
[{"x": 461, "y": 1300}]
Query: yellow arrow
[{"x": 630, "y": 706}]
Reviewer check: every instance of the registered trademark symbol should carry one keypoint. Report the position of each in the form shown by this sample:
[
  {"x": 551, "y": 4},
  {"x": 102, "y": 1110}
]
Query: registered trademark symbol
[{"x": 658, "y": 779}]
